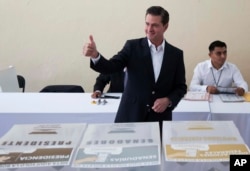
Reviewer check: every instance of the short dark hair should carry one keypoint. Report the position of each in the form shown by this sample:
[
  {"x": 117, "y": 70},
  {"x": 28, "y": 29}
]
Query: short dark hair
[
  {"x": 216, "y": 43},
  {"x": 159, "y": 11}
]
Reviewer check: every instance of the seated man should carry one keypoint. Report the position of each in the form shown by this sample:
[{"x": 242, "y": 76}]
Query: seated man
[
  {"x": 115, "y": 80},
  {"x": 217, "y": 75}
]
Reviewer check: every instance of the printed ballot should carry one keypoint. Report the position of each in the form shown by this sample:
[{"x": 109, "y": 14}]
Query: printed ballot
[
  {"x": 36, "y": 145},
  {"x": 119, "y": 145},
  {"x": 207, "y": 141}
]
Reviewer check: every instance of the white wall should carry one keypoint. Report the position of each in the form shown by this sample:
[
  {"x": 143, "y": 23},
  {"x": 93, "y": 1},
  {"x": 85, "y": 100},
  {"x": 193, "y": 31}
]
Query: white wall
[{"x": 43, "y": 39}]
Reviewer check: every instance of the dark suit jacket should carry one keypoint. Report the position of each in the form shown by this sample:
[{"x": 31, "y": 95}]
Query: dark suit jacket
[
  {"x": 115, "y": 81},
  {"x": 141, "y": 89}
]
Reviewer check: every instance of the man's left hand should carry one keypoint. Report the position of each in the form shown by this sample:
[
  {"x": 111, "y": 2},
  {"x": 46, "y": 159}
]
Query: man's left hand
[
  {"x": 161, "y": 104},
  {"x": 240, "y": 91}
]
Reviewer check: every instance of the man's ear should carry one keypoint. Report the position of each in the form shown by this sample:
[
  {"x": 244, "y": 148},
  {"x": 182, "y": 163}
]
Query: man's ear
[
  {"x": 165, "y": 27},
  {"x": 209, "y": 54}
]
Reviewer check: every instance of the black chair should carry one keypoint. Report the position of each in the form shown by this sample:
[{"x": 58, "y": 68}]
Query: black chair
[
  {"x": 62, "y": 89},
  {"x": 21, "y": 82}
]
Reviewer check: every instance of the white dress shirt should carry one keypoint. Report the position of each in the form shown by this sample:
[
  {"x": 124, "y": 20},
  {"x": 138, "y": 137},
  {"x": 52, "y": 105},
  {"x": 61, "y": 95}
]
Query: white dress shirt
[
  {"x": 157, "y": 57},
  {"x": 227, "y": 76},
  {"x": 156, "y": 54}
]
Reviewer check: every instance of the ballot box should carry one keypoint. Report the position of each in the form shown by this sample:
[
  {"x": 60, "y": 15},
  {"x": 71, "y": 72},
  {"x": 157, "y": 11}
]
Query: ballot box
[
  {"x": 200, "y": 145},
  {"x": 119, "y": 146},
  {"x": 39, "y": 146}
]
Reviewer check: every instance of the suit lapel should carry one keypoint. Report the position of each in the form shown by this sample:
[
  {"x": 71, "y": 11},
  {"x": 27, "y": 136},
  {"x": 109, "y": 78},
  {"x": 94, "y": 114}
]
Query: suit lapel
[
  {"x": 164, "y": 63},
  {"x": 148, "y": 61}
]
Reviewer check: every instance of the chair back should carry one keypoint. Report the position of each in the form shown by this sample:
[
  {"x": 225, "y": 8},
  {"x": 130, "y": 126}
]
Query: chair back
[
  {"x": 21, "y": 82},
  {"x": 62, "y": 89}
]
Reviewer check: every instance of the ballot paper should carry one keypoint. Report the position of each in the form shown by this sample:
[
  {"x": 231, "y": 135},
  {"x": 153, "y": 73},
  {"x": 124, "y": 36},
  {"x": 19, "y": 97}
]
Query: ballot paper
[
  {"x": 36, "y": 145},
  {"x": 119, "y": 145},
  {"x": 197, "y": 96},
  {"x": 231, "y": 98}
]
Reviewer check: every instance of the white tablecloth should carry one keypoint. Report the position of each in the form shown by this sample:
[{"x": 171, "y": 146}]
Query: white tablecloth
[
  {"x": 18, "y": 108},
  {"x": 239, "y": 112},
  {"x": 24, "y": 108},
  {"x": 188, "y": 110}
]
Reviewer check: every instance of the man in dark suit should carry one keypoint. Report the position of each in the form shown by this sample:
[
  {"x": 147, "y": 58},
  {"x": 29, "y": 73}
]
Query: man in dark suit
[
  {"x": 115, "y": 81},
  {"x": 155, "y": 69}
]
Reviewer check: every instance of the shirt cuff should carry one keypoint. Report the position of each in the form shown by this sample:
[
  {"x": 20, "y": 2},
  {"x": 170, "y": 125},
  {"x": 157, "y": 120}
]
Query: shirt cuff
[{"x": 95, "y": 60}]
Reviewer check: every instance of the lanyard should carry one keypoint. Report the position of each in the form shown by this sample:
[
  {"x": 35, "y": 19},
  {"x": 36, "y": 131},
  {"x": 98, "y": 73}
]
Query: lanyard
[{"x": 216, "y": 82}]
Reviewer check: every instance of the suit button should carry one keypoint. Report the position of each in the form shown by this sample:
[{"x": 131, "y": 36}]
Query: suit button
[{"x": 153, "y": 92}]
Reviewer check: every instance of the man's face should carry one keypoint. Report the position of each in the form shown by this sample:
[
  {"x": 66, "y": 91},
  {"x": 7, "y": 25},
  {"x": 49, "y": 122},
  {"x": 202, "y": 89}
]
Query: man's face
[
  {"x": 154, "y": 29},
  {"x": 218, "y": 56}
]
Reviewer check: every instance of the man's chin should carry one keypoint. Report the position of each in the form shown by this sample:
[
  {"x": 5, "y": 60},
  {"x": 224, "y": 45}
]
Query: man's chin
[{"x": 150, "y": 36}]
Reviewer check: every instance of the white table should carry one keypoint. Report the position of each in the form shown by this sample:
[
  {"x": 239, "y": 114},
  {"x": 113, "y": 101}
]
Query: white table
[
  {"x": 24, "y": 108},
  {"x": 188, "y": 110},
  {"x": 239, "y": 112}
]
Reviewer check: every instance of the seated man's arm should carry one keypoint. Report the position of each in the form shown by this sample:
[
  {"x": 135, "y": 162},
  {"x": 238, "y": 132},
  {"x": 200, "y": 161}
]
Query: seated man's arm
[
  {"x": 196, "y": 82},
  {"x": 101, "y": 81}
]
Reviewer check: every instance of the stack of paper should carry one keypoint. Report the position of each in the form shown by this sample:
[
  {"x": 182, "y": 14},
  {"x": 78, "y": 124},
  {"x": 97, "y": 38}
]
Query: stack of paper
[
  {"x": 247, "y": 97},
  {"x": 195, "y": 95},
  {"x": 231, "y": 98}
]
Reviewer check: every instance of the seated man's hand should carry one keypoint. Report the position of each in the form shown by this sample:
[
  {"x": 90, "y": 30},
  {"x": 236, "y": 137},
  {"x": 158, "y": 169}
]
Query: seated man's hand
[
  {"x": 212, "y": 90},
  {"x": 96, "y": 94},
  {"x": 240, "y": 91}
]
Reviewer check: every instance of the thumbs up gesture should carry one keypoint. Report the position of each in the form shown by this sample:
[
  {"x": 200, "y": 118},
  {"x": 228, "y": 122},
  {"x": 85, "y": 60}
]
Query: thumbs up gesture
[{"x": 89, "y": 49}]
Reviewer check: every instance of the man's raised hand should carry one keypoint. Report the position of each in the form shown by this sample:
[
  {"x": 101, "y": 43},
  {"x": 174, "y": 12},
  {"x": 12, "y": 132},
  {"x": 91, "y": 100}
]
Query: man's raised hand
[{"x": 89, "y": 49}]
